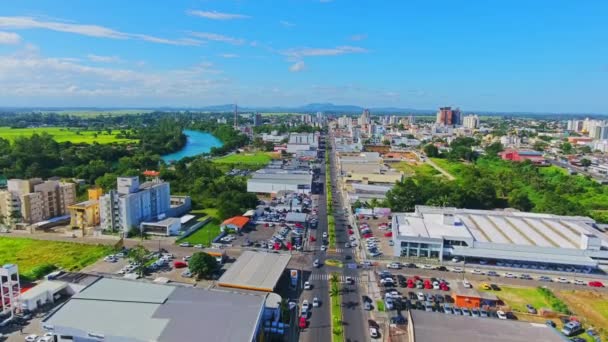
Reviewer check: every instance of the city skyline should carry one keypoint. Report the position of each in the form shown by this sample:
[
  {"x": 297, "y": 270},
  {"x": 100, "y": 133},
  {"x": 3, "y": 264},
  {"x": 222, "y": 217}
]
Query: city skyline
[{"x": 515, "y": 57}]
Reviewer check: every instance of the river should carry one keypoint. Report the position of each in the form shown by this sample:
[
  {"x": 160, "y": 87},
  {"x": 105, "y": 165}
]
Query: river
[{"x": 198, "y": 142}]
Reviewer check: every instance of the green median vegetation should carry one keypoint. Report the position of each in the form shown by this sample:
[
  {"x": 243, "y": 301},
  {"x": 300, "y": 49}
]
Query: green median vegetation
[
  {"x": 337, "y": 331},
  {"x": 556, "y": 303},
  {"x": 331, "y": 224}
]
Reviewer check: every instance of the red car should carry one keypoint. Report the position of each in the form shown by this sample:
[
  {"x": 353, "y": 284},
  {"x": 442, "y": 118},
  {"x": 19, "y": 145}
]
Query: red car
[
  {"x": 351, "y": 232},
  {"x": 312, "y": 239},
  {"x": 428, "y": 286},
  {"x": 411, "y": 285},
  {"x": 596, "y": 284},
  {"x": 302, "y": 323},
  {"x": 444, "y": 287},
  {"x": 388, "y": 234},
  {"x": 179, "y": 264},
  {"x": 367, "y": 236}
]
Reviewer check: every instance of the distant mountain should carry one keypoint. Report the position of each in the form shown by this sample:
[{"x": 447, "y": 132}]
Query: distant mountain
[{"x": 313, "y": 108}]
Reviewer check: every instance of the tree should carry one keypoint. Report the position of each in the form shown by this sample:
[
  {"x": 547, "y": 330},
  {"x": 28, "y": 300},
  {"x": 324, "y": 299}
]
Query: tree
[
  {"x": 586, "y": 149},
  {"x": 519, "y": 199},
  {"x": 404, "y": 196},
  {"x": 566, "y": 148},
  {"x": 139, "y": 255},
  {"x": 431, "y": 151},
  {"x": 493, "y": 149},
  {"x": 585, "y": 162},
  {"x": 202, "y": 265},
  {"x": 539, "y": 146},
  {"x": 386, "y": 142}
]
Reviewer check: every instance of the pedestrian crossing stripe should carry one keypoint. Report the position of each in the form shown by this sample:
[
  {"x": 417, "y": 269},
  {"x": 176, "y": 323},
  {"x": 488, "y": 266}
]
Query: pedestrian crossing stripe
[{"x": 326, "y": 276}]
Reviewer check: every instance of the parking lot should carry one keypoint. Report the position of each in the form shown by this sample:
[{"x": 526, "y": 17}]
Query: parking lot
[{"x": 379, "y": 230}]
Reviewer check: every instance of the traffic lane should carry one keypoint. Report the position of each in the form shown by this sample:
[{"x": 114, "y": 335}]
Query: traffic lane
[
  {"x": 319, "y": 327},
  {"x": 500, "y": 280}
]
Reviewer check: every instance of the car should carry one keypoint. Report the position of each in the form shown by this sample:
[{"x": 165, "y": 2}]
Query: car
[
  {"x": 199, "y": 245},
  {"x": 501, "y": 314},
  {"x": 394, "y": 265},
  {"x": 456, "y": 259},
  {"x": 466, "y": 284},
  {"x": 485, "y": 286},
  {"x": 427, "y": 267},
  {"x": 185, "y": 244},
  {"x": 325, "y": 235},
  {"x": 596, "y": 283},
  {"x": 562, "y": 280},
  {"x": 376, "y": 254},
  {"x": 494, "y": 287},
  {"x": 302, "y": 322},
  {"x": 347, "y": 245},
  {"x": 315, "y": 302},
  {"x": 350, "y": 280},
  {"x": 307, "y": 285},
  {"x": 579, "y": 282},
  {"x": 31, "y": 338},
  {"x": 477, "y": 271},
  {"x": 373, "y": 332},
  {"x": 465, "y": 311},
  {"x": 447, "y": 309},
  {"x": 387, "y": 281},
  {"x": 420, "y": 296},
  {"x": 492, "y": 274},
  {"x": 389, "y": 303},
  {"x": 531, "y": 309},
  {"x": 475, "y": 312},
  {"x": 187, "y": 274},
  {"x": 316, "y": 263},
  {"x": 525, "y": 276},
  {"x": 545, "y": 278},
  {"x": 550, "y": 323},
  {"x": 509, "y": 275},
  {"x": 483, "y": 313},
  {"x": 398, "y": 320},
  {"x": 578, "y": 339},
  {"x": 323, "y": 248},
  {"x": 305, "y": 305},
  {"x": 457, "y": 270},
  {"x": 572, "y": 328},
  {"x": 457, "y": 311},
  {"x": 367, "y": 306}
]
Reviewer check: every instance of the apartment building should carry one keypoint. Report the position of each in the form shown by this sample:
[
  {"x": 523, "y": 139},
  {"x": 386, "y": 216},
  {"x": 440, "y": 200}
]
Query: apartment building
[
  {"x": 133, "y": 203},
  {"x": 35, "y": 200}
]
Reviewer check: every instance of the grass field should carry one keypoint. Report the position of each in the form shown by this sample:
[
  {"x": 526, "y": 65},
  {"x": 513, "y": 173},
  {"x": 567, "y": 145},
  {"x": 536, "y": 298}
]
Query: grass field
[
  {"x": 94, "y": 113},
  {"x": 28, "y": 254},
  {"x": 591, "y": 306},
  {"x": 255, "y": 159},
  {"x": 204, "y": 235},
  {"x": 62, "y": 134},
  {"x": 411, "y": 169},
  {"x": 518, "y": 297}
]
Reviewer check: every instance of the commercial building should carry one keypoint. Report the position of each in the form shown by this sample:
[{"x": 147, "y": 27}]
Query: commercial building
[
  {"x": 133, "y": 203},
  {"x": 302, "y": 141},
  {"x": 470, "y": 298},
  {"x": 522, "y": 155},
  {"x": 512, "y": 236},
  {"x": 236, "y": 223},
  {"x": 86, "y": 214},
  {"x": 433, "y": 327},
  {"x": 447, "y": 116},
  {"x": 271, "y": 181},
  {"x": 124, "y": 310},
  {"x": 167, "y": 227},
  {"x": 470, "y": 121},
  {"x": 257, "y": 119},
  {"x": 258, "y": 271},
  {"x": 35, "y": 200}
]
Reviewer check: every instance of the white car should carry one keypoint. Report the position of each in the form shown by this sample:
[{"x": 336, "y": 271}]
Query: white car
[
  {"x": 457, "y": 270},
  {"x": 31, "y": 338},
  {"x": 467, "y": 284},
  {"x": 394, "y": 265},
  {"x": 579, "y": 282},
  {"x": 427, "y": 267},
  {"x": 384, "y": 281},
  {"x": 323, "y": 247},
  {"x": 435, "y": 285},
  {"x": 200, "y": 245},
  {"x": 185, "y": 244},
  {"x": 510, "y": 275},
  {"x": 476, "y": 271},
  {"x": 562, "y": 280},
  {"x": 455, "y": 259},
  {"x": 305, "y": 305},
  {"x": 324, "y": 235},
  {"x": 373, "y": 332},
  {"x": 501, "y": 314},
  {"x": 315, "y": 302},
  {"x": 307, "y": 285},
  {"x": 420, "y": 296}
]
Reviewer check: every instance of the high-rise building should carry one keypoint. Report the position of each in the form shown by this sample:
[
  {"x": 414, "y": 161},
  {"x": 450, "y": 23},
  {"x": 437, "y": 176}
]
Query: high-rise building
[
  {"x": 365, "y": 118},
  {"x": 236, "y": 117},
  {"x": 394, "y": 120},
  {"x": 599, "y": 132},
  {"x": 34, "y": 200},
  {"x": 344, "y": 121},
  {"x": 575, "y": 125},
  {"x": 257, "y": 119},
  {"x": 125, "y": 208},
  {"x": 411, "y": 120},
  {"x": 470, "y": 121},
  {"x": 448, "y": 117}
]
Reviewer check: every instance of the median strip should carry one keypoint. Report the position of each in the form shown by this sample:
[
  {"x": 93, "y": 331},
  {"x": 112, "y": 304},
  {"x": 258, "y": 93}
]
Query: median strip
[{"x": 337, "y": 331}]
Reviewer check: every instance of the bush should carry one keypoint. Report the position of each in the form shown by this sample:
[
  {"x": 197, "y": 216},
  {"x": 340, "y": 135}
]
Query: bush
[
  {"x": 556, "y": 303},
  {"x": 40, "y": 271}
]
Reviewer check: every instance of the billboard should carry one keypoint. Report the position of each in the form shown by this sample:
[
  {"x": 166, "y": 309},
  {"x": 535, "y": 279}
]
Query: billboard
[{"x": 293, "y": 274}]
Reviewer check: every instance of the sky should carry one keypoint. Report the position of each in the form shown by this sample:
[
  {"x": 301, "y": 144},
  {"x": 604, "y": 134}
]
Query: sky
[{"x": 494, "y": 55}]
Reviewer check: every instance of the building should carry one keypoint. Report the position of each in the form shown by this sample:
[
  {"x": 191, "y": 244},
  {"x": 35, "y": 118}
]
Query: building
[
  {"x": 522, "y": 155},
  {"x": 580, "y": 140},
  {"x": 599, "y": 132},
  {"x": 236, "y": 223},
  {"x": 302, "y": 141},
  {"x": 470, "y": 298},
  {"x": 470, "y": 121},
  {"x": 365, "y": 118},
  {"x": 125, "y": 208},
  {"x": 433, "y": 327},
  {"x": 167, "y": 227},
  {"x": 447, "y": 116},
  {"x": 257, "y": 271},
  {"x": 124, "y": 310},
  {"x": 496, "y": 236},
  {"x": 271, "y": 181},
  {"x": 257, "y": 119},
  {"x": 86, "y": 214},
  {"x": 273, "y": 137},
  {"x": 34, "y": 200},
  {"x": 10, "y": 289},
  {"x": 574, "y": 125}
]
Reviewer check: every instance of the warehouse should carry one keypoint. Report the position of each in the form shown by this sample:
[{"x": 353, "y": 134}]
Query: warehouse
[
  {"x": 530, "y": 238},
  {"x": 258, "y": 271},
  {"x": 272, "y": 181}
]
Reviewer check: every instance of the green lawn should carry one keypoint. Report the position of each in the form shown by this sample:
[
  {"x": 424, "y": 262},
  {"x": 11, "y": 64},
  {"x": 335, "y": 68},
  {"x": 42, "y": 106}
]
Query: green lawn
[
  {"x": 411, "y": 169},
  {"x": 207, "y": 211},
  {"x": 518, "y": 297},
  {"x": 204, "y": 235},
  {"x": 453, "y": 168},
  {"x": 63, "y": 134},
  {"x": 255, "y": 159},
  {"x": 28, "y": 254}
]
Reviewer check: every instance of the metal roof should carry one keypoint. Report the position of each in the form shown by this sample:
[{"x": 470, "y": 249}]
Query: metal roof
[
  {"x": 296, "y": 217},
  {"x": 43, "y": 288},
  {"x": 434, "y": 327},
  {"x": 531, "y": 256},
  {"x": 255, "y": 271}
]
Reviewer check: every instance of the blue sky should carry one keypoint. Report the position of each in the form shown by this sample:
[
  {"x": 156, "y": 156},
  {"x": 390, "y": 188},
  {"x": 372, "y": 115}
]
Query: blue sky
[{"x": 545, "y": 56}]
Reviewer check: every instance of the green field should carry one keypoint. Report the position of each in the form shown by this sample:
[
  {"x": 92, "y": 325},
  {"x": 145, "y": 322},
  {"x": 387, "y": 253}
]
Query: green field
[
  {"x": 28, "y": 254},
  {"x": 518, "y": 297},
  {"x": 453, "y": 168},
  {"x": 94, "y": 113},
  {"x": 63, "y": 134},
  {"x": 420, "y": 169},
  {"x": 254, "y": 159}
]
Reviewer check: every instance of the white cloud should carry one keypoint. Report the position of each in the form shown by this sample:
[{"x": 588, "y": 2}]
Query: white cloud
[
  {"x": 358, "y": 37},
  {"x": 286, "y": 23},
  {"x": 23, "y": 23},
  {"x": 229, "y": 55},
  {"x": 297, "y": 66},
  {"x": 339, "y": 50},
  {"x": 104, "y": 59},
  {"x": 9, "y": 38},
  {"x": 214, "y": 15},
  {"x": 27, "y": 75},
  {"x": 218, "y": 38}
]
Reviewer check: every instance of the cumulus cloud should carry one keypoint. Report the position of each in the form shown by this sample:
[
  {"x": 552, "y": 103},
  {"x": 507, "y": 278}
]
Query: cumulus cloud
[
  {"x": 24, "y": 23},
  {"x": 104, "y": 59},
  {"x": 286, "y": 23},
  {"x": 358, "y": 37},
  {"x": 297, "y": 66},
  {"x": 339, "y": 50},
  {"x": 9, "y": 38},
  {"x": 214, "y": 15},
  {"x": 218, "y": 38}
]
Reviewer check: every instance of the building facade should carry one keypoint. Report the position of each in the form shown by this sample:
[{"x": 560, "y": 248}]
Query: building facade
[
  {"x": 125, "y": 208},
  {"x": 447, "y": 116},
  {"x": 470, "y": 121}
]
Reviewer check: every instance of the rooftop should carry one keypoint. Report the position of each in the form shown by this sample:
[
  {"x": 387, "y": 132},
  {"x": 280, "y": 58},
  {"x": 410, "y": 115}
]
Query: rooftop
[
  {"x": 158, "y": 312},
  {"x": 433, "y": 327},
  {"x": 255, "y": 271}
]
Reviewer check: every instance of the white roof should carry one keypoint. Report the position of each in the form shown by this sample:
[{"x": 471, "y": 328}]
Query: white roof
[
  {"x": 255, "y": 271},
  {"x": 186, "y": 218},
  {"x": 47, "y": 286}
]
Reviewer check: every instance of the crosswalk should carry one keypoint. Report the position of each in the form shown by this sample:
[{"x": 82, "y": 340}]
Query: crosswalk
[
  {"x": 326, "y": 276},
  {"x": 335, "y": 250}
]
